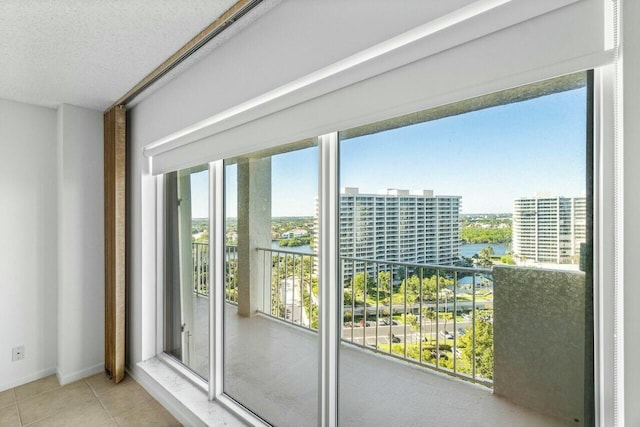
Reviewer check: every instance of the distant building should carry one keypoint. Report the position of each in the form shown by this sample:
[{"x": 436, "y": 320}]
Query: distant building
[
  {"x": 549, "y": 230},
  {"x": 398, "y": 226},
  {"x": 294, "y": 234}
]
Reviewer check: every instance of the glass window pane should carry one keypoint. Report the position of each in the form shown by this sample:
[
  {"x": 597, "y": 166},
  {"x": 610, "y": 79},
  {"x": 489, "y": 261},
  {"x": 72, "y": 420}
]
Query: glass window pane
[
  {"x": 464, "y": 236},
  {"x": 270, "y": 331},
  {"x": 186, "y": 201}
]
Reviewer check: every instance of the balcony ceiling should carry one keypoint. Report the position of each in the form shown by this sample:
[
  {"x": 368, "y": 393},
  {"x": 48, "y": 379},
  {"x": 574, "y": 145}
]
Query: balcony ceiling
[{"x": 90, "y": 52}]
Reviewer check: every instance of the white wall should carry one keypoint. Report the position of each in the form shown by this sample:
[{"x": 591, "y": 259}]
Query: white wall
[
  {"x": 51, "y": 242},
  {"x": 80, "y": 243},
  {"x": 28, "y": 241}
]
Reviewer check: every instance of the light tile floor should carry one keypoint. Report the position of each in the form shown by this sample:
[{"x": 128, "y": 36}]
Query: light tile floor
[{"x": 93, "y": 401}]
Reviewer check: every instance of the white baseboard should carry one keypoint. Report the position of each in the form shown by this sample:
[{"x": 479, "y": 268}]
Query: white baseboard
[
  {"x": 78, "y": 375},
  {"x": 27, "y": 379}
]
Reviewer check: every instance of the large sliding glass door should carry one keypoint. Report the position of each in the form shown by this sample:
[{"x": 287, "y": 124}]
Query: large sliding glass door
[
  {"x": 187, "y": 283},
  {"x": 464, "y": 249},
  {"x": 456, "y": 259},
  {"x": 271, "y": 312}
]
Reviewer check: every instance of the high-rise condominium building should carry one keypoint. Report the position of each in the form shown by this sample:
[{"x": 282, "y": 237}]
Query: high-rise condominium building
[
  {"x": 398, "y": 226},
  {"x": 549, "y": 229}
]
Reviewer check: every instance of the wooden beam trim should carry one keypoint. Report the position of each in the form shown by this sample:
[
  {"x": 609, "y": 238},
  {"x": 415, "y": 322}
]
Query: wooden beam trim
[{"x": 115, "y": 240}]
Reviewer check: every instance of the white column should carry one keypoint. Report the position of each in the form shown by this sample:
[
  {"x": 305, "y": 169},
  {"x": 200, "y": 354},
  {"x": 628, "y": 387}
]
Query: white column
[{"x": 254, "y": 231}]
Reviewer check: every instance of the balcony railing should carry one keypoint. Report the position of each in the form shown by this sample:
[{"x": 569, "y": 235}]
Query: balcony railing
[
  {"x": 200, "y": 253},
  {"x": 425, "y": 314},
  {"x": 441, "y": 318},
  {"x": 231, "y": 274},
  {"x": 200, "y": 268},
  {"x": 291, "y": 286},
  {"x": 429, "y": 315}
]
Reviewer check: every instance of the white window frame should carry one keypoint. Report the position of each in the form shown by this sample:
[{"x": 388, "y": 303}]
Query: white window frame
[
  {"x": 605, "y": 244},
  {"x": 606, "y": 241}
]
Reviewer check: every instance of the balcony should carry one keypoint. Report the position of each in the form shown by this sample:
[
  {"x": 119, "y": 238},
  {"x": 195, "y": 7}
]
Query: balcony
[
  {"x": 417, "y": 349},
  {"x": 369, "y": 394}
]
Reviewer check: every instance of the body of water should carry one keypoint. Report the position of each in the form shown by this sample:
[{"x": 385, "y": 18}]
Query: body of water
[
  {"x": 465, "y": 250},
  {"x": 470, "y": 250},
  {"x": 305, "y": 249}
]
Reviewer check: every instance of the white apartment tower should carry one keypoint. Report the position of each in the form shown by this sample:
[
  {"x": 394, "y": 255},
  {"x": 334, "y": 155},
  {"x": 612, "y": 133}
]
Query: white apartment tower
[
  {"x": 398, "y": 226},
  {"x": 549, "y": 230}
]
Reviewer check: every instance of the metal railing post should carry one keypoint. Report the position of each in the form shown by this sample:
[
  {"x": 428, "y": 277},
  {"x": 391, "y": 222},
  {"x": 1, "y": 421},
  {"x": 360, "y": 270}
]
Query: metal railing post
[
  {"x": 455, "y": 313},
  {"x": 420, "y": 315},
  {"x": 353, "y": 297},
  {"x": 377, "y": 270},
  {"x": 406, "y": 288},
  {"x": 286, "y": 278},
  {"x": 300, "y": 285},
  {"x": 364, "y": 307},
  {"x": 437, "y": 319},
  {"x": 391, "y": 310},
  {"x": 473, "y": 329}
]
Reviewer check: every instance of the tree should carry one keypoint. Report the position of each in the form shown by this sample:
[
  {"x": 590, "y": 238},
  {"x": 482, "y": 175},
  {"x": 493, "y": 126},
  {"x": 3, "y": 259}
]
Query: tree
[
  {"x": 384, "y": 281},
  {"x": 484, "y": 347},
  {"x": 430, "y": 314},
  {"x": 358, "y": 283},
  {"x": 507, "y": 259},
  {"x": 411, "y": 287},
  {"x": 429, "y": 288},
  {"x": 347, "y": 297},
  {"x": 412, "y": 320},
  {"x": 471, "y": 234},
  {"x": 485, "y": 256},
  {"x": 446, "y": 310}
]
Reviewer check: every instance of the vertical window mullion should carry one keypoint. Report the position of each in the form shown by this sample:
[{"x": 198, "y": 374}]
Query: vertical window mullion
[
  {"x": 216, "y": 277},
  {"x": 160, "y": 248},
  {"x": 328, "y": 283}
]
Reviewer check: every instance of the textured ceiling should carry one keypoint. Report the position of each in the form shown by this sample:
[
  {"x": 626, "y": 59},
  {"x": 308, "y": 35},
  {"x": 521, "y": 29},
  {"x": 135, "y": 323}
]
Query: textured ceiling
[{"x": 90, "y": 52}]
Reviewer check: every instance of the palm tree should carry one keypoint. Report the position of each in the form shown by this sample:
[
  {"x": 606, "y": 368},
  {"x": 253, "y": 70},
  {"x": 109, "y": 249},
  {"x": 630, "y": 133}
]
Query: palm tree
[{"x": 431, "y": 315}]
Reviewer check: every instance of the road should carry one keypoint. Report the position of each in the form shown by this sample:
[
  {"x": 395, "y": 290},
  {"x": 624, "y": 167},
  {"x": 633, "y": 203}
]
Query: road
[
  {"x": 449, "y": 306},
  {"x": 429, "y": 330}
]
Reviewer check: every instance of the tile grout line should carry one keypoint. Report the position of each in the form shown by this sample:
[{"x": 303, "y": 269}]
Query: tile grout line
[
  {"x": 148, "y": 399},
  {"x": 15, "y": 396},
  {"x": 151, "y": 399},
  {"x": 40, "y": 394},
  {"x": 32, "y": 397},
  {"x": 15, "y": 401},
  {"x": 100, "y": 401},
  {"x": 51, "y": 391}
]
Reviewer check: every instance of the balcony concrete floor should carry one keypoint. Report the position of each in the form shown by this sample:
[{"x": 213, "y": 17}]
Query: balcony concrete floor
[{"x": 271, "y": 368}]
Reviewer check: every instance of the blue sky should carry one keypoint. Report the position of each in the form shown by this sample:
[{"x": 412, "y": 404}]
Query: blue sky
[{"x": 489, "y": 157}]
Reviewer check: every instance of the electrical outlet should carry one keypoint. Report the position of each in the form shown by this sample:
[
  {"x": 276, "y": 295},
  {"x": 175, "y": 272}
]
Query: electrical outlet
[{"x": 17, "y": 353}]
